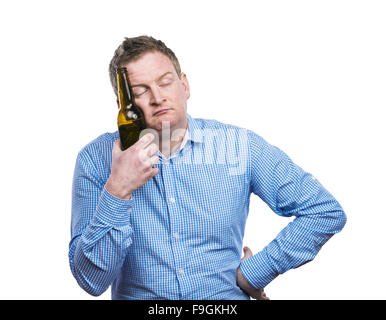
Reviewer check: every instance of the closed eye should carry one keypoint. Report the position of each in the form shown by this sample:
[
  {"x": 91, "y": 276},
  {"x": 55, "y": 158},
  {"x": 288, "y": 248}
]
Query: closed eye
[
  {"x": 138, "y": 91},
  {"x": 165, "y": 82}
]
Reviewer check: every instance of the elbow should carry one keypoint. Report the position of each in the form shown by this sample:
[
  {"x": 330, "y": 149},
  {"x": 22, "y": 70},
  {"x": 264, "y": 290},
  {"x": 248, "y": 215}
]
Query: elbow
[
  {"x": 91, "y": 287},
  {"x": 95, "y": 292},
  {"x": 332, "y": 218},
  {"x": 339, "y": 217},
  {"x": 342, "y": 220},
  {"x": 336, "y": 221},
  {"x": 90, "y": 277},
  {"x": 330, "y": 222}
]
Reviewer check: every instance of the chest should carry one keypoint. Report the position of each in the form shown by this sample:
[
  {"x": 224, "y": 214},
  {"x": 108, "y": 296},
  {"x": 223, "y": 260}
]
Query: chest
[{"x": 196, "y": 201}]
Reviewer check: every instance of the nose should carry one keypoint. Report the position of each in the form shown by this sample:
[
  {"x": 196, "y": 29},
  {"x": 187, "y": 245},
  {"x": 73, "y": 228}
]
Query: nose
[{"x": 156, "y": 96}]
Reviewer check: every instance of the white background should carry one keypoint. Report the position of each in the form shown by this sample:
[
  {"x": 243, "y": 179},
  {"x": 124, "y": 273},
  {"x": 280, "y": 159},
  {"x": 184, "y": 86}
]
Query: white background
[{"x": 308, "y": 76}]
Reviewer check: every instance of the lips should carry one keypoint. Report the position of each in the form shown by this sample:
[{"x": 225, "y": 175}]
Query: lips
[{"x": 159, "y": 112}]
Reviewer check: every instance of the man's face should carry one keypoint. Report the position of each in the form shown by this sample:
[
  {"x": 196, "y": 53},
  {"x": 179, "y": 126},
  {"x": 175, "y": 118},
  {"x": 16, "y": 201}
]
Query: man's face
[{"x": 158, "y": 90}]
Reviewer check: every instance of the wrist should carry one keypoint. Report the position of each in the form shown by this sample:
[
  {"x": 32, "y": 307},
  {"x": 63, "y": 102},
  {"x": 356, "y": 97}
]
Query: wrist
[
  {"x": 117, "y": 190},
  {"x": 258, "y": 270},
  {"x": 112, "y": 210}
]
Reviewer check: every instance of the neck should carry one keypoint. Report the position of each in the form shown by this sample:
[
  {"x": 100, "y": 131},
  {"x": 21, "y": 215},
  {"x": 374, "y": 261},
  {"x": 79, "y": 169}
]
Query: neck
[{"x": 171, "y": 139}]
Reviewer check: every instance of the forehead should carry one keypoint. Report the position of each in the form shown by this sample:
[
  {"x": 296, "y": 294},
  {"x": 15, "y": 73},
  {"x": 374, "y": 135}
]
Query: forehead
[{"x": 149, "y": 67}]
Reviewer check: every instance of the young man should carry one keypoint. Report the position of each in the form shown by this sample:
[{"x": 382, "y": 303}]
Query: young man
[{"x": 165, "y": 218}]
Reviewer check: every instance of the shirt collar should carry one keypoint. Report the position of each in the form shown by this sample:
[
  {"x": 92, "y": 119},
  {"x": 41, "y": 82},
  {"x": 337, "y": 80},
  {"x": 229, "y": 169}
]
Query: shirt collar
[
  {"x": 193, "y": 133},
  {"x": 189, "y": 133},
  {"x": 185, "y": 139}
]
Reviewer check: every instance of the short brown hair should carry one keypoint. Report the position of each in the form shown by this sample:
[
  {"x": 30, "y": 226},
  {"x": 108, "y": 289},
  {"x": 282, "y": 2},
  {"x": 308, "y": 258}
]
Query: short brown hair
[{"x": 132, "y": 49}]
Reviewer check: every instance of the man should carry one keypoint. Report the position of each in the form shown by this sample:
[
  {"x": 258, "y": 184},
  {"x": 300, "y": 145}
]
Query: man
[{"x": 165, "y": 218}]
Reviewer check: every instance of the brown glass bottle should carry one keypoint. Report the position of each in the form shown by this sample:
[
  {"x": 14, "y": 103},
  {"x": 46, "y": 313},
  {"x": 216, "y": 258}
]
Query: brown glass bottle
[{"x": 131, "y": 120}]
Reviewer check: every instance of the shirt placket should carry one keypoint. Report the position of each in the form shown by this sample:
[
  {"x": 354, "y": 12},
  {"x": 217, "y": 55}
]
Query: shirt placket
[{"x": 176, "y": 231}]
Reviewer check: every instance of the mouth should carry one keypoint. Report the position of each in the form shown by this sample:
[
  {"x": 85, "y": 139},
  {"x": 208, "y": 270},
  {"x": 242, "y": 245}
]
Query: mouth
[{"x": 159, "y": 112}]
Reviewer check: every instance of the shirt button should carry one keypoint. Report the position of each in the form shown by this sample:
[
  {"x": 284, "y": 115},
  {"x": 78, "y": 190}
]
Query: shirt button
[
  {"x": 181, "y": 271},
  {"x": 172, "y": 200},
  {"x": 176, "y": 235}
]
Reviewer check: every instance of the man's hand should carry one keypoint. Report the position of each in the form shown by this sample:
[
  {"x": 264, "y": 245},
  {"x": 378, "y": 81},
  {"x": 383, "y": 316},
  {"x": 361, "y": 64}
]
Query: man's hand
[
  {"x": 257, "y": 294},
  {"x": 132, "y": 168}
]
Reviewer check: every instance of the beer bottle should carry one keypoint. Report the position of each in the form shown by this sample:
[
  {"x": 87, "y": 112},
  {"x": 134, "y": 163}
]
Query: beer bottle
[{"x": 131, "y": 120}]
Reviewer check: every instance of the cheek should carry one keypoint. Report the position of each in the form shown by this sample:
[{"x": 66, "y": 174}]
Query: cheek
[
  {"x": 143, "y": 107},
  {"x": 181, "y": 96},
  {"x": 147, "y": 113}
]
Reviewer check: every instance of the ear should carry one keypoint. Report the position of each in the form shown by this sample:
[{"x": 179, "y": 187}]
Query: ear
[{"x": 185, "y": 84}]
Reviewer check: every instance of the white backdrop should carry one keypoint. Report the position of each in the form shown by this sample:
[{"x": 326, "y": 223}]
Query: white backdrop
[{"x": 308, "y": 76}]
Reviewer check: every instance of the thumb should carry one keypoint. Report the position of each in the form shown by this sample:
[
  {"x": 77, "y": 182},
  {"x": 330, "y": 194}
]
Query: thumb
[
  {"x": 247, "y": 253},
  {"x": 117, "y": 145}
]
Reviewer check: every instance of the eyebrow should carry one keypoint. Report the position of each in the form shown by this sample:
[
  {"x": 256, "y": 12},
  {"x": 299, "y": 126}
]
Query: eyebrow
[{"x": 159, "y": 78}]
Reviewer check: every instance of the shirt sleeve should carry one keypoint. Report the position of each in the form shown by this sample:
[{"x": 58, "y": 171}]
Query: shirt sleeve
[
  {"x": 289, "y": 191},
  {"x": 100, "y": 229}
]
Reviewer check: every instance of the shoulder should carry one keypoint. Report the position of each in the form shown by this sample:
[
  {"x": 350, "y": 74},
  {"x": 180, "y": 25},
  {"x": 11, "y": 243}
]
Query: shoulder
[
  {"x": 200, "y": 123},
  {"x": 105, "y": 140},
  {"x": 98, "y": 151},
  {"x": 207, "y": 125}
]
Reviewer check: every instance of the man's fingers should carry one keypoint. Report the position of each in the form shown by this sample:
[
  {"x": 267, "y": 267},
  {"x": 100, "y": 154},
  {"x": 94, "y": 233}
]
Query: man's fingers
[
  {"x": 144, "y": 141},
  {"x": 247, "y": 253},
  {"x": 151, "y": 149},
  {"x": 117, "y": 149},
  {"x": 152, "y": 173},
  {"x": 153, "y": 160},
  {"x": 117, "y": 145},
  {"x": 150, "y": 162},
  {"x": 262, "y": 296}
]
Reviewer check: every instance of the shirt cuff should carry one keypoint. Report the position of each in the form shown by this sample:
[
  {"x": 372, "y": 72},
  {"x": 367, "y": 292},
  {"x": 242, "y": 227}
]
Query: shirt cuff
[
  {"x": 112, "y": 210},
  {"x": 257, "y": 270}
]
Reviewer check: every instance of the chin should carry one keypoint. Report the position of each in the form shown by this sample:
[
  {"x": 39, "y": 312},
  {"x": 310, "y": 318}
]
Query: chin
[
  {"x": 167, "y": 120},
  {"x": 166, "y": 117},
  {"x": 162, "y": 122}
]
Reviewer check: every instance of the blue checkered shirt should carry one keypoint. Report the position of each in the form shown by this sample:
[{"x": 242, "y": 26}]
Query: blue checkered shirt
[{"x": 180, "y": 236}]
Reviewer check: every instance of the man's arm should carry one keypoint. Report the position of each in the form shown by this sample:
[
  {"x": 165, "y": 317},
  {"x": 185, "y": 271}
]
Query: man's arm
[
  {"x": 288, "y": 191},
  {"x": 101, "y": 232},
  {"x": 257, "y": 294}
]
